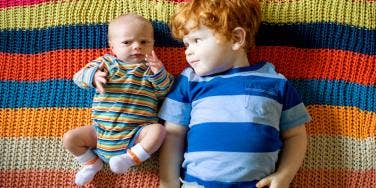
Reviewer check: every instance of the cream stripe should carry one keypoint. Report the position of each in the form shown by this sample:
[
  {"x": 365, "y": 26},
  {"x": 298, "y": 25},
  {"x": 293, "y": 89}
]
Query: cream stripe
[
  {"x": 360, "y": 14},
  {"x": 341, "y": 153},
  {"x": 45, "y": 153}
]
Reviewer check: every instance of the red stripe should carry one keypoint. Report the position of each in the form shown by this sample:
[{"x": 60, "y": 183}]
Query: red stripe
[
  {"x": 294, "y": 63},
  {"x": 299, "y": 63},
  {"x": 62, "y": 64},
  {"x": 64, "y": 178},
  {"x": 13, "y": 3},
  {"x": 335, "y": 178}
]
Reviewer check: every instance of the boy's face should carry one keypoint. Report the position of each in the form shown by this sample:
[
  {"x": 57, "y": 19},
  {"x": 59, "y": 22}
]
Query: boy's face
[
  {"x": 205, "y": 53},
  {"x": 130, "y": 42}
]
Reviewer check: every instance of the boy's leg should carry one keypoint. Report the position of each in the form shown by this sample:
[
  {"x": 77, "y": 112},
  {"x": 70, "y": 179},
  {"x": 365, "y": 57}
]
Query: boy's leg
[
  {"x": 148, "y": 141},
  {"x": 79, "y": 141}
]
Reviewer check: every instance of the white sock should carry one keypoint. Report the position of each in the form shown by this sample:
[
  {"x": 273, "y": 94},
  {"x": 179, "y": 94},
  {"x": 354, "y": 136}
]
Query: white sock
[
  {"x": 121, "y": 163},
  {"x": 92, "y": 164}
]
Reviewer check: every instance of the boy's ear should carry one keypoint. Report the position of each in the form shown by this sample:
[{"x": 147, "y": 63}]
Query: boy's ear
[{"x": 238, "y": 38}]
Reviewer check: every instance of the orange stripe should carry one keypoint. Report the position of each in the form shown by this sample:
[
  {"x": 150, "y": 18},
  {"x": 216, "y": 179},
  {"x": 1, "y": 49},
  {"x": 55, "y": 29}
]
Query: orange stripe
[
  {"x": 134, "y": 157},
  {"x": 41, "y": 122},
  {"x": 63, "y": 178},
  {"x": 294, "y": 63},
  {"x": 298, "y": 63},
  {"x": 54, "y": 122},
  {"x": 92, "y": 161},
  {"x": 340, "y": 120},
  {"x": 334, "y": 178}
]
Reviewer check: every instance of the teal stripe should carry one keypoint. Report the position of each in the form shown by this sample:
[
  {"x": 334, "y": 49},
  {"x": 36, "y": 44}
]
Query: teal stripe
[{"x": 63, "y": 93}]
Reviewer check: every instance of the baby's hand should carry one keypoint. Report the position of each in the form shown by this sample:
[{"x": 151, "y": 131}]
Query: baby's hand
[
  {"x": 100, "y": 78},
  {"x": 154, "y": 63}
]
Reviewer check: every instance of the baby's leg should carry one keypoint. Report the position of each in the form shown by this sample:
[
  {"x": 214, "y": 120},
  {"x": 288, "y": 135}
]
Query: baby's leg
[
  {"x": 79, "y": 141},
  {"x": 149, "y": 140}
]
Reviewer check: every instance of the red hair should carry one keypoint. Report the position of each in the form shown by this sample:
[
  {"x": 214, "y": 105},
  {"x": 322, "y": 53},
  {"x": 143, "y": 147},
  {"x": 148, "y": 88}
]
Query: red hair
[{"x": 222, "y": 16}]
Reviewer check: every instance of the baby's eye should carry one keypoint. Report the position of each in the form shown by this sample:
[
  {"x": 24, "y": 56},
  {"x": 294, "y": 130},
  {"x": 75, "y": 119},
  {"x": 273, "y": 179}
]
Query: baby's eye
[
  {"x": 196, "y": 40},
  {"x": 127, "y": 42}
]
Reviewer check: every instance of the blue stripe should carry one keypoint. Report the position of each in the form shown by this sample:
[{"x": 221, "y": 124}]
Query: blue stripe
[
  {"x": 70, "y": 37},
  {"x": 233, "y": 137},
  {"x": 319, "y": 35},
  {"x": 313, "y": 35},
  {"x": 50, "y": 93},
  {"x": 217, "y": 184},
  {"x": 64, "y": 93},
  {"x": 337, "y": 93},
  {"x": 239, "y": 85}
]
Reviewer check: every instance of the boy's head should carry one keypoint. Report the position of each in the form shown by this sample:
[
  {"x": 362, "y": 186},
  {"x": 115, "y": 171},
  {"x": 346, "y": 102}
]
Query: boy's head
[
  {"x": 221, "y": 16},
  {"x": 217, "y": 33},
  {"x": 130, "y": 37}
]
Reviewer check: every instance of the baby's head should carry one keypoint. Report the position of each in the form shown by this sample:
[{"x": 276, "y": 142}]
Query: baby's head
[
  {"x": 130, "y": 37},
  {"x": 217, "y": 33},
  {"x": 221, "y": 16}
]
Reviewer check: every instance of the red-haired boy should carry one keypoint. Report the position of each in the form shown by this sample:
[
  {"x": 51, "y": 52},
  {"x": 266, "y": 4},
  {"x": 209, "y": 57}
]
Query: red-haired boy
[{"x": 230, "y": 119}]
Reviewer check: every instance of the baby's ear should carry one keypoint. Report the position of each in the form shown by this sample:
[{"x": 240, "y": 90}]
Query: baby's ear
[{"x": 238, "y": 38}]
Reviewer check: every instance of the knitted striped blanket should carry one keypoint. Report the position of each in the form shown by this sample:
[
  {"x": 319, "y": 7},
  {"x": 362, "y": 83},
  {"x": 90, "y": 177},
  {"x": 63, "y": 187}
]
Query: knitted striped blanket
[{"x": 327, "y": 48}]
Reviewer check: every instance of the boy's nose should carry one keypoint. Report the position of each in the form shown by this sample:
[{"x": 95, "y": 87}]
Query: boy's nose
[{"x": 188, "y": 51}]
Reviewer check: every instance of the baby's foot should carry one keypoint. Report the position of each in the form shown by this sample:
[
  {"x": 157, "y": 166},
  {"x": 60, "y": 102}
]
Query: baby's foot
[
  {"x": 121, "y": 163},
  {"x": 87, "y": 172}
]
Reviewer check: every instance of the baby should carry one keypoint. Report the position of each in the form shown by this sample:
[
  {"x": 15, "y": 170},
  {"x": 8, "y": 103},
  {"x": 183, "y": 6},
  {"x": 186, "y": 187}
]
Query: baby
[{"x": 129, "y": 84}]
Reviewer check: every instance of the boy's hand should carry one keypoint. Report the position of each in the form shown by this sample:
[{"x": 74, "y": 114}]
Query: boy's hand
[
  {"x": 273, "y": 181},
  {"x": 100, "y": 78},
  {"x": 154, "y": 63}
]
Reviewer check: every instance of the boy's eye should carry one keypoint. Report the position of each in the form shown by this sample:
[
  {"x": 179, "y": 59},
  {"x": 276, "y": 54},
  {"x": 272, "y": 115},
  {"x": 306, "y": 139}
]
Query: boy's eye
[{"x": 145, "y": 42}]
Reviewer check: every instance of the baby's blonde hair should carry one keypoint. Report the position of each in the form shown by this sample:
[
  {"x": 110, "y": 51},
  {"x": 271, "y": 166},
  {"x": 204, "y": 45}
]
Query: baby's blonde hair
[{"x": 126, "y": 18}]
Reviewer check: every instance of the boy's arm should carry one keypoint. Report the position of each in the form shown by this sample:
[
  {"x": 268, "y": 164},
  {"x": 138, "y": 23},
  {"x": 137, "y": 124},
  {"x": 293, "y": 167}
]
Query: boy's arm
[
  {"x": 293, "y": 153},
  {"x": 171, "y": 155}
]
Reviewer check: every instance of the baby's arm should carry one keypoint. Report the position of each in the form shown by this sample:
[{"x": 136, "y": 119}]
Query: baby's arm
[
  {"x": 92, "y": 75},
  {"x": 161, "y": 79},
  {"x": 171, "y": 156},
  {"x": 293, "y": 153}
]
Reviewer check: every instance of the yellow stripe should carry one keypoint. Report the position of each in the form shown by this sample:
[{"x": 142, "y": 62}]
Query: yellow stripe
[
  {"x": 358, "y": 13},
  {"x": 340, "y": 153},
  {"x": 40, "y": 122},
  {"x": 45, "y": 154},
  {"x": 81, "y": 12},
  {"x": 341, "y": 121}
]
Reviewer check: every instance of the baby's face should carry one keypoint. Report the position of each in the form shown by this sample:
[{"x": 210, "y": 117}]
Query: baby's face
[{"x": 130, "y": 42}]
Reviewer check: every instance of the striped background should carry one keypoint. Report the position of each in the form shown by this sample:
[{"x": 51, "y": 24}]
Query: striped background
[{"x": 327, "y": 48}]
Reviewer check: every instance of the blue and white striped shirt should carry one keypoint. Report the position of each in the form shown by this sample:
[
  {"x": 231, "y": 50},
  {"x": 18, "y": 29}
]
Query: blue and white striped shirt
[{"x": 234, "y": 120}]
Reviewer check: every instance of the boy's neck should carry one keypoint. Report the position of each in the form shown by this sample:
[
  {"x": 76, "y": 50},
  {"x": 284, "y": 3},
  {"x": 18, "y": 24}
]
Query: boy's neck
[{"x": 241, "y": 59}]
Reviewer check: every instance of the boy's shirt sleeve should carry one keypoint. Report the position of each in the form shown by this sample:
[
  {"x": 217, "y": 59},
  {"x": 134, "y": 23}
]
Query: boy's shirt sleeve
[
  {"x": 162, "y": 82},
  {"x": 84, "y": 77},
  {"x": 176, "y": 108},
  {"x": 294, "y": 112}
]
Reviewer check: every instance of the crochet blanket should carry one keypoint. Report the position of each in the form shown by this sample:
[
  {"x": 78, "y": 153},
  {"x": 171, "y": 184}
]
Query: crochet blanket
[{"x": 327, "y": 48}]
